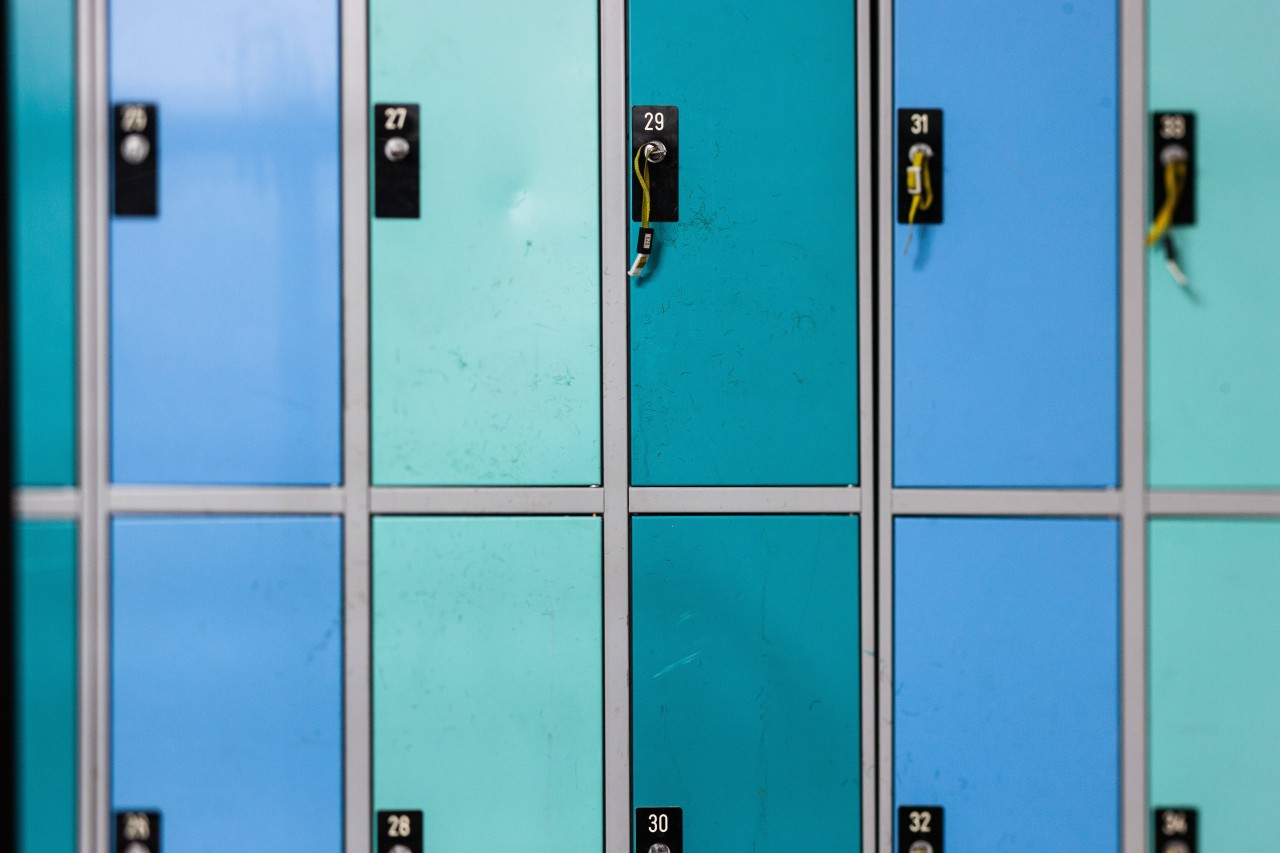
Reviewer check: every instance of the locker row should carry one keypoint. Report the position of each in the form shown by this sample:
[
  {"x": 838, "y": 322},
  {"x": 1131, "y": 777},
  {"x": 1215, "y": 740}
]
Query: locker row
[
  {"x": 226, "y": 693},
  {"x": 484, "y": 341}
]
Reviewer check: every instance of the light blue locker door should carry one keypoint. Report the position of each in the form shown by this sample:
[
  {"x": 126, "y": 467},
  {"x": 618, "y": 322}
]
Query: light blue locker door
[
  {"x": 744, "y": 345},
  {"x": 226, "y": 680},
  {"x": 225, "y": 308},
  {"x": 1006, "y": 685},
  {"x": 745, "y": 655},
  {"x": 1005, "y": 315}
]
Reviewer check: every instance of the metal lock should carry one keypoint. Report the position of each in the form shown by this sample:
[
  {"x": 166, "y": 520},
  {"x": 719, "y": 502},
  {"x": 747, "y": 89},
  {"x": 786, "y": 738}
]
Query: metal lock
[
  {"x": 396, "y": 149},
  {"x": 135, "y": 148}
]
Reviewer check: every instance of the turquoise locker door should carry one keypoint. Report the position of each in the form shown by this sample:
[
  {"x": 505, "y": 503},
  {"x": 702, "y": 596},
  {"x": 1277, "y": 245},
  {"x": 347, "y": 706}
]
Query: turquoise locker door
[
  {"x": 45, "y": 585},
  {"x": 488, "y": 705},
  {"x": 225, "y": 307},
  {"x": 486, "y": 310},
  {"x": 744, "y": 346},
  {"x": 745, "y": 657},
  {"x": 1214, "y": 640},
  {"x": 1006, "y": 702},
  {"x": 226, "y": 680},
  {"x": 41, "y": 60},
  {"x": 1005, "y": 347},
  {"x": 1214, "y": 352}
]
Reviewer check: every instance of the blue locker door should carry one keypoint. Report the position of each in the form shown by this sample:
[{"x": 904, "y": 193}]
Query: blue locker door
[
  {"x": 226, "y": 664},
  {"x": 1005, "y": 315},
  {"x": 225, "y": 308},
  {"x": 745, "y": 680},
  {"x": 1006, "y": 682},
  {"x": 744, "y": 344}
]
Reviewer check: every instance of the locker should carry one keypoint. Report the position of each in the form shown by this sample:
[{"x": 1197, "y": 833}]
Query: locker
[
  {"x": 1006, "y": 684},
  {"x": 745, "y": 671},
  {"x": 744, "y": 367},
  {"x": 45, "y": 586},
  {"x": 42, "y": 234},
  {"x": 225, "y": 306},
  {"x": 1005, "y": 315},
  {"x": 487, "y": 680},
  {"x": 486, "y": 308},
  {"x": 226, "y": 679},
  {"x": 1214, "y": 369},
  {"x": 1214, "y": 590}
]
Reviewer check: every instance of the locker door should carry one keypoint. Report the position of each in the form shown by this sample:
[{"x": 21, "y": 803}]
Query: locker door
[
  {"x": 1215, "y": 588},
  {"x": 1006, "y": 682},
  {"x": 226, "y": 667},
  {"x": 745, "y": 658},
  {"x": 1005, "y": 315},
  {"x": 1214, "y": 353},
  {"x": 744, "y": 367},
  {"x": 42, "y": 233},
  {"x": 45, "y": 575},
  {"x": 225, "y": 306},
  {"x": 486, "y": 308},
  {"x": 487, "y": 687}
]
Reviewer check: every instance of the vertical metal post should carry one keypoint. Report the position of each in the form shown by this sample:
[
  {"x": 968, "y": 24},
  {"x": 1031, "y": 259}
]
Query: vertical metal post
[
  {"x": 357, "y": 601},
  {"x": 1133, "y": 422},
  {"x": 616, "y": 425},
  {"x": 92, "y": 228}
]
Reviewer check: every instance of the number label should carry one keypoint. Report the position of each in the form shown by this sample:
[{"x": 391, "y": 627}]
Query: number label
[
  {"x": 659, "y": 823},
  {"x": 399, "y": 826},
  {"x": 137, "y": 827},
  {"x": 1175, "y": 823},
  {"x": 395, "y": 117},
  {"x": 133, "y": 118},
  {"x": 1173, "y": 126},
  {"x": 919, "y": 123},
  {"x": 921, "y": 822},
  {"x": 654, "y": 121}
]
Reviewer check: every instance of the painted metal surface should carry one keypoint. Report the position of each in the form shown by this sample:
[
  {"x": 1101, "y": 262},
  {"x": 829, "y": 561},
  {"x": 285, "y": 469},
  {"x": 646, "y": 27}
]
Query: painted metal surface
[
  {"x": 487, "y": 680},
  {"x": 486, "y": 310},
  {"x": 45, "y": 584},
  {"x": 745, "y": 650},
  {"x": 226, "y": 695},
  {"x": 1005, "y": 316},
  {"x": 41, "y": 60},
  {"x": 744, "y": 328},
  {"x": 1214, "y": 357},
  {"x": 1006, "y": 683},
  {"x": 225, "y": 308},
  {"x": 1215, "y": 588}
]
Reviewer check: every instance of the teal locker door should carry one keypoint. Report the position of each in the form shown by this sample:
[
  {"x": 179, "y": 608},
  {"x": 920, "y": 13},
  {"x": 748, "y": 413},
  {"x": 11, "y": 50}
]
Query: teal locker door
[
  {"x": 486, "y": 309},
  {"x": 1214, "y": 349},
  {"x": 744, "y": 367},
  {"x": 1215, "y": 687},
  {"x": 45, "y": 581},
  {"x": 488, "y": 707},
  {"x": 42, "y": 121},
  {"x": 745, "y": 659}
]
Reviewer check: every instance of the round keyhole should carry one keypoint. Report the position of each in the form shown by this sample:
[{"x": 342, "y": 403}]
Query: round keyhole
[
  {"x": 396, "y": 149},
  {"x": 134, "y": 148},
  {"x": 655, "y": 151},
  {"x": 921, "y": 847},
  {"x": 659, "y": 848}
]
